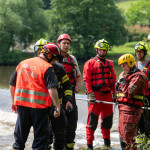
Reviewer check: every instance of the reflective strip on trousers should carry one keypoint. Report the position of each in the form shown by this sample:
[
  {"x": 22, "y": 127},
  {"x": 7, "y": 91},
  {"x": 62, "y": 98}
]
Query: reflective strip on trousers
[{"x": 70, "y": 145}]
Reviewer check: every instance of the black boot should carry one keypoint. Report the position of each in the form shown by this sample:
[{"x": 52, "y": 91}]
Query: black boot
[
  {"x": 107, "y": 142},
  {"x": 123, "y": 145},
  {"x": 106, "y": 145},
  {"x": 89, "y": 147}
]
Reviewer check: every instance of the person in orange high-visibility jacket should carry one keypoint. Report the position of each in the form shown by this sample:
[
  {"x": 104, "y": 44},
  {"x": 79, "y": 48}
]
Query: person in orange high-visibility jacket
[
  {"x": 100, "y": 78},
  {"x": 33, "y": 87},
  {"x": 58, "y": 125},
  {"x": 131, "y": 89}
]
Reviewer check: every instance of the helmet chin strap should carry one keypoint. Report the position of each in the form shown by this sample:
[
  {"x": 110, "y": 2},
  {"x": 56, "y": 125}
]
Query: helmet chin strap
[
  {"x": 63, "y": 51},
  {"x": 103, "y": 56},
  {"x": 49, "y": 60},
  {"x": 142, "y": 58}
]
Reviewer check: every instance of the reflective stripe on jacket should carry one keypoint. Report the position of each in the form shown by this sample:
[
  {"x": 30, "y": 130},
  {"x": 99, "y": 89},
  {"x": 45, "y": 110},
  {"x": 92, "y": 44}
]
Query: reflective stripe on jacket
[
  {"x": 137, "y": 100},
  {"x": 31, "y": 90}
]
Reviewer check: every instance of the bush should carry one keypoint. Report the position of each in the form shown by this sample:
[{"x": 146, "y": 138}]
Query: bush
[
  {"x": 131, "y": 44},
  {"x": 13, "y": 57},
  {"x": 133, "y": 36}
]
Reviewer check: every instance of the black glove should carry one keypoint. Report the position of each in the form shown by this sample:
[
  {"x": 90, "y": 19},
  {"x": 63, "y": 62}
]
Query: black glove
[
  {"x": 92, "y": 98},
  {"x": 114, "y": 98},
  {"x": 69, "y": 108}
]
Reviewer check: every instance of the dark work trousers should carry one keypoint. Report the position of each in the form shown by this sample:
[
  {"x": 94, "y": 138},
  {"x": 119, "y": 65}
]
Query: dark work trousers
[
  {"x": 72, "y": 118},
  {"x": 58, "y": 130},
  {"x": 144, "y": 123},
  {"x": 27, "y": 117}
]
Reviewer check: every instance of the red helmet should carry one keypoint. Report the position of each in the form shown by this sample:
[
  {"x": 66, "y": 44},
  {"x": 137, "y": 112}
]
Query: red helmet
[
  {"x": 64, "y": 36},
  {"x": 51, "y": 48}
]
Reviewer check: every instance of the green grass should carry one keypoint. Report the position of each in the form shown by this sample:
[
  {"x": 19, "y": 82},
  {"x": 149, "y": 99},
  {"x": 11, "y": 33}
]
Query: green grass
[{"x": 124, "y": 5}]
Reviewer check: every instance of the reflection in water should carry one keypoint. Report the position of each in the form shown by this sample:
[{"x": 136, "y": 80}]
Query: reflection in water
[{"x": 5, "y": 75}]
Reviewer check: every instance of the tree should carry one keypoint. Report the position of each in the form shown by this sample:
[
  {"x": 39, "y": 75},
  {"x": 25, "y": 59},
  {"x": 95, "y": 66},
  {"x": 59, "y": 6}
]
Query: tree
[
  {"x": 10, "y": 23},
  {"x": 46, "y": 4},
  {"x": 86, "y": 21},
  {"x": 22, "y": 21},
  {"x": 139, "y": 13}
]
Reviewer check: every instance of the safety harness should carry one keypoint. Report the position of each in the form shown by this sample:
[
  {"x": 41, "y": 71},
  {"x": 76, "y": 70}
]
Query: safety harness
[
  {"x": 71, "y": 74},
  {"x": 137, "y": 100},
  {"x": 106, "y": 74}
]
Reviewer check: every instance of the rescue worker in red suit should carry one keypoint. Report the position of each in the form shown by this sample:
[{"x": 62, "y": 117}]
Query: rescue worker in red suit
[
  {"x": 71, "y": 67},
  {"x": 131, "y": 88},
  {"x": 58, "y": 125},
  {"x": 33, "y": 88},
  {"x": 143, "y": 64},
  {"x": 100, "y": 78}
]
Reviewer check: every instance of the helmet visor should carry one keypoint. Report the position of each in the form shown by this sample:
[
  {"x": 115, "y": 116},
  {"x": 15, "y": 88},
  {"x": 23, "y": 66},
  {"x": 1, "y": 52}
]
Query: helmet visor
[
  {"x": 139, "y": 47},
  {"x": 103, "y": 46},
  {"x": 38, "y": 48}
]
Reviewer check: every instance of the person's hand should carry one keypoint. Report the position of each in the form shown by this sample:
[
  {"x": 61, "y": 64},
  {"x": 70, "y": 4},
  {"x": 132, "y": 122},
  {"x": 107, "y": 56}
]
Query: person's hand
[
  {"x": 14, "y": 108},
  {"x": 69, "y": 106},
  {"x": 122, "y": 75},
  {"x": 77, "y": 89},
  {"x": 57, "y": 112},
  {"x": 92, "y": 98},
  {"x": 114, "y": 98}
]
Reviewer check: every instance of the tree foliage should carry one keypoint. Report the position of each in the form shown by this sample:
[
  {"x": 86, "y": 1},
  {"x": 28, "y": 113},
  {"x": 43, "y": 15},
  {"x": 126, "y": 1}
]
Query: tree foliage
[
  {"x": 139, "y": 13},
  {"x": 86, "y": 21},
  {"x": 46, "y": 4},
  {"x": 21, "y": 21}
]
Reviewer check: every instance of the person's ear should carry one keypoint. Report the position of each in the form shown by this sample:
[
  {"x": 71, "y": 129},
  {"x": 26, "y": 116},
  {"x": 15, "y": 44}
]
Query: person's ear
[{"x": 49, "y": 56}]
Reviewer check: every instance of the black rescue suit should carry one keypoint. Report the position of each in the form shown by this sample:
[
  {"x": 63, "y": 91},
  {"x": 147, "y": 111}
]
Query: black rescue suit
[
  {"x": 58, "y": 125},
  {"x": 144, "y": 123},
  {"x": 133, "y": 87},
  {"x": 72, "y": 117}
]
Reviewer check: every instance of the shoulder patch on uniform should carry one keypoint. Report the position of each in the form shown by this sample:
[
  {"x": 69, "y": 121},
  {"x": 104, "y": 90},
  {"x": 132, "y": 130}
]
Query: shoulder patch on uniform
[{"x": 132, "y": 88}]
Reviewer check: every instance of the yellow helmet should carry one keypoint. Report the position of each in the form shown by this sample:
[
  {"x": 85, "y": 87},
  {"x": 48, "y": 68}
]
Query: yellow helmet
[
  {"x": 39, "y": 44},
  {"x": 141, "y": 46},
  {"x": 102, "y": 44},
  {"x": 128, "y": 58}
]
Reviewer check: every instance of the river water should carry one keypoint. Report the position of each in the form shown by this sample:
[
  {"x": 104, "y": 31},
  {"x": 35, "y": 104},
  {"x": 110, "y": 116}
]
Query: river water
[{"x": 8, "y": 119}]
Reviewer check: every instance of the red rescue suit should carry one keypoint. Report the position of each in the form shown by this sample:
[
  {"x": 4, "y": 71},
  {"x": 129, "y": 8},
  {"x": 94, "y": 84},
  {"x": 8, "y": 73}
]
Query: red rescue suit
[
  {"x": 133, "y": 88},
  {"x": 100, "y": 78},
  {"x": 28, "y": 94}
]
